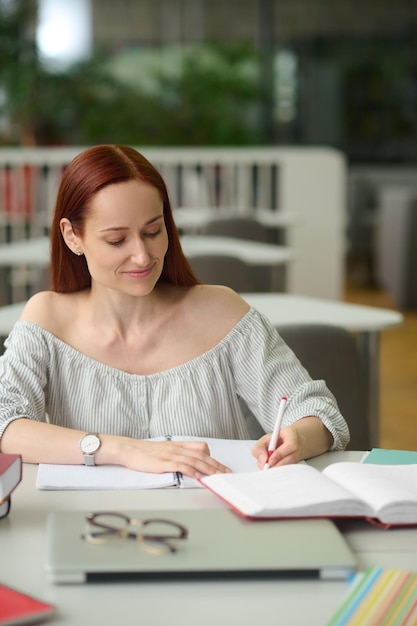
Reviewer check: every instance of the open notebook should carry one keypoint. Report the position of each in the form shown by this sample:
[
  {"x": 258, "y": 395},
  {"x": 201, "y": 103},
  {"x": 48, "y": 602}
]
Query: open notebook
[
  {"x": 382, "y": 494},
  {"x": 235, "y": 454},
  {"x": 219, "y": 545}
]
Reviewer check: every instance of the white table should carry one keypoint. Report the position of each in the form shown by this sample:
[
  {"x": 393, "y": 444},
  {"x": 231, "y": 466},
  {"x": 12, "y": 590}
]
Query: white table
[
  {"x": 33, "y": 252},
  {"x": 295, "y": 602},
  {"x": 251, "y": 252},
  {"x": 283, "y": 309},
  {"x": 270, "y": 258},
  {"x": 36, "y": 251},
  {"x": 192, "y": 219}
]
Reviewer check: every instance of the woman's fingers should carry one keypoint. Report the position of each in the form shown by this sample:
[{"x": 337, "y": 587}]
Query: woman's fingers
[
  {"x": 195, "y": 457},
  {"x": 189, "y": 458}
]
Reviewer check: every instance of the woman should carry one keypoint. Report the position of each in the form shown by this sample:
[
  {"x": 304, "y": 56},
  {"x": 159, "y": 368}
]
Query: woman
[{"x": 128, "y": 345}]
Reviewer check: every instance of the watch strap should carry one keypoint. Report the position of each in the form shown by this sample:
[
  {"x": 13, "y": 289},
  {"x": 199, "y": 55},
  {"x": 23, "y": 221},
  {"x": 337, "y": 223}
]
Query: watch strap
[{"x": 89, "y": 459}]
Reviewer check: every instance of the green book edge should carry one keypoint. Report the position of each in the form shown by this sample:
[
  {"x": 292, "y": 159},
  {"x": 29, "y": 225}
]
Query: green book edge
[{"x": 380, "y": 456}]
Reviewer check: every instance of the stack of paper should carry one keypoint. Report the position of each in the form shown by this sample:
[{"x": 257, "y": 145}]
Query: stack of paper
[{"x": 380, "y": 597}]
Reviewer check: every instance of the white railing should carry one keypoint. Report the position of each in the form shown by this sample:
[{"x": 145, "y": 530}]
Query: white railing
[{"x": 309, "y": 182}]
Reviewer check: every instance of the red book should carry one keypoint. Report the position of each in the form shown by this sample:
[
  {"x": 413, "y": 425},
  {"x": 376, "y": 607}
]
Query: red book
[
  {"x": 19, "y": 608},
  {"x": 10, "y": 477}
]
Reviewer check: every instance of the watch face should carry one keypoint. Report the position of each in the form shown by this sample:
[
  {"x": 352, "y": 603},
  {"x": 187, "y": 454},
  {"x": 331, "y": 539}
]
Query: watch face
[{"x": 90, "y": 443}]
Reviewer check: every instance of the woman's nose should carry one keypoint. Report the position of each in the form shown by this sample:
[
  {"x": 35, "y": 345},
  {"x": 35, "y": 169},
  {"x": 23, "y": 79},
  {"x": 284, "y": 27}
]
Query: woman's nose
[{"x": 140, "y": 253}]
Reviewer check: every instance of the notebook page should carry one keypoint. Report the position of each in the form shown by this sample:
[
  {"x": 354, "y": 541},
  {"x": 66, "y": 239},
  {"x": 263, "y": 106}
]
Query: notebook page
[
  {"x": 389, "y": 489},
  {"x": 287, "y": 491},
  {"x": 233, "y": 453},
  {"x": 66, "y": 477}
]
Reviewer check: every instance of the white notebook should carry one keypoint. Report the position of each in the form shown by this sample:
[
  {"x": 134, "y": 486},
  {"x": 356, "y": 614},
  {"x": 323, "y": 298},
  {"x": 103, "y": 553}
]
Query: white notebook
[{"x": 235, "y": 454}]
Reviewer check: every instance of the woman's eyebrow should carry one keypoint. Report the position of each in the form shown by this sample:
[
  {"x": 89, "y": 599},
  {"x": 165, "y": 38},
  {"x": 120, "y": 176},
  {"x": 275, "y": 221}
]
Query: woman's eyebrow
[
  {"x": 155, "y": 219},
  {"x": 117, "y": 228}
]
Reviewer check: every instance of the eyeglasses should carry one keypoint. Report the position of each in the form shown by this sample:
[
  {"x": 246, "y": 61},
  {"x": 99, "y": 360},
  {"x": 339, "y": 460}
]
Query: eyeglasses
[{"x": 155, "y": 535}]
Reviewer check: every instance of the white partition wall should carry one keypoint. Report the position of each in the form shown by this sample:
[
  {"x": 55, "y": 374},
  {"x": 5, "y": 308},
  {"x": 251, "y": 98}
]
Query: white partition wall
[
  {"x": 314, "y": 185},
  {"x": 308, "y": 182}
]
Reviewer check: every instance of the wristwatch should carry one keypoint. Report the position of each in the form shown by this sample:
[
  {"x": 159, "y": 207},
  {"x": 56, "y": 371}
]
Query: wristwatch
[{"x": 89, "y": 445}]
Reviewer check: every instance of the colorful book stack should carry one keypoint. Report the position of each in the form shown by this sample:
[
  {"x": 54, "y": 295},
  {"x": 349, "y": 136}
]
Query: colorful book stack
[{"x": 380, "y": 597}]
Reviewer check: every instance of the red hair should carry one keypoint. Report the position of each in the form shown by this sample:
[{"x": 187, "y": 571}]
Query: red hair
[{"x": 88, "y": 173}]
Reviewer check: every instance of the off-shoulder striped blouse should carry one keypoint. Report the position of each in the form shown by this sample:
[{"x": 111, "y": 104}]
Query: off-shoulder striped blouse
[{"x": 45, "y": 379}]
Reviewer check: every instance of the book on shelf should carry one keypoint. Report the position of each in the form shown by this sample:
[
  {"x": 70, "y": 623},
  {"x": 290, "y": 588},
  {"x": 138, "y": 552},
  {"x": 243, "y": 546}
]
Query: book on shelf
[
  {"x": 379, "y": 596},
  {"x": 17, "y": 607},
  {"x": 235, "y": 454},
  {"x": 10, "y": 477},
  {"x": 383, "y": 494}
]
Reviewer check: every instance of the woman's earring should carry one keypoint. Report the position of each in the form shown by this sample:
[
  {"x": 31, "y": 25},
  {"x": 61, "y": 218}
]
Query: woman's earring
[{"x": 78, "y": 253}]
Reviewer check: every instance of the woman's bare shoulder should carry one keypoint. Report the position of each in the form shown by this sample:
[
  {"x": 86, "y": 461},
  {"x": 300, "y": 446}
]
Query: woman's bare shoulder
[
  {"x": 216, "y": 302},
  {"x": 50, "y": 310}
]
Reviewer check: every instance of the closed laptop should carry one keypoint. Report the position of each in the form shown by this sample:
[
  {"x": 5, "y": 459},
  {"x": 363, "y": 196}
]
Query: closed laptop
[{"x": 219, "y": 544}]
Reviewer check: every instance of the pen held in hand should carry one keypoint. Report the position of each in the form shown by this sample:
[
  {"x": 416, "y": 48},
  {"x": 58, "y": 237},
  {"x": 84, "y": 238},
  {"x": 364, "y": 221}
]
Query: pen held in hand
[{"x": 275, "y": 434}]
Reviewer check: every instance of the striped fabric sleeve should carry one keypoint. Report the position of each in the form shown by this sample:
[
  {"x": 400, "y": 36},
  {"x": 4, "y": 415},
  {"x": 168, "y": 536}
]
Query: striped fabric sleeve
[{"x": 266, "y": 369}]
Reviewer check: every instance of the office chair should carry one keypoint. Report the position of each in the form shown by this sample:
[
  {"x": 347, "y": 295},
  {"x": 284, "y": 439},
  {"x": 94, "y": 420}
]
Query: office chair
[
  {"x": 330, "y": 353},
  {"x": 231, "y": 271},
  {"x": 395, "y": 250},
  {"x": 240, "y": 227}
]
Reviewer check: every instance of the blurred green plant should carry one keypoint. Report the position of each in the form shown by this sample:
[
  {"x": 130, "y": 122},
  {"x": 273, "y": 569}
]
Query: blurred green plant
[
  {"x": 210, "y": 95},
  {"x": 19, "y": 66}
]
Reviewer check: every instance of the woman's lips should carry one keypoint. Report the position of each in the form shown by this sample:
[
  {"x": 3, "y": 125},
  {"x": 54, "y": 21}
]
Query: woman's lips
[{"x": 139, "y": 273}]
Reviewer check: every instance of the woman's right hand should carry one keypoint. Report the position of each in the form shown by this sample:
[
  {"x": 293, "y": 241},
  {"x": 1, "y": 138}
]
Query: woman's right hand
[
  {"x": 191, "y": 458},
  {"x": 39, "y": 442}
]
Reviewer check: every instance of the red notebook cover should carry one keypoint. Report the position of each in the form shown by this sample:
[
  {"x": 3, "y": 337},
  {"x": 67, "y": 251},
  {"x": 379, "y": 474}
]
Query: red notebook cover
[
  {"x": 19, "y": 608},
  {"x": 6, "y": 460},
  {"x": 10, "y": 473}
]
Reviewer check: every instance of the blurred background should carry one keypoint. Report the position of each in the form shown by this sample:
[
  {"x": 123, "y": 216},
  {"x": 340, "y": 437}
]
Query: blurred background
[
  {"x": 244, "y": 73},
  {"x": 212, "y": 72}
]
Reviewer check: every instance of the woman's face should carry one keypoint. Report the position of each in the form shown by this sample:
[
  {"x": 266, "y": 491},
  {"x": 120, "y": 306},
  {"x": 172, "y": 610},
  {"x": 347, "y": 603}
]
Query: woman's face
[{"x": 125, "y": 239}]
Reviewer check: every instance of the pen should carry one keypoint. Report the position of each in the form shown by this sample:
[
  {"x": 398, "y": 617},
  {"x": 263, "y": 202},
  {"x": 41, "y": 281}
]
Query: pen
[{"x": 275, "y": 434}]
